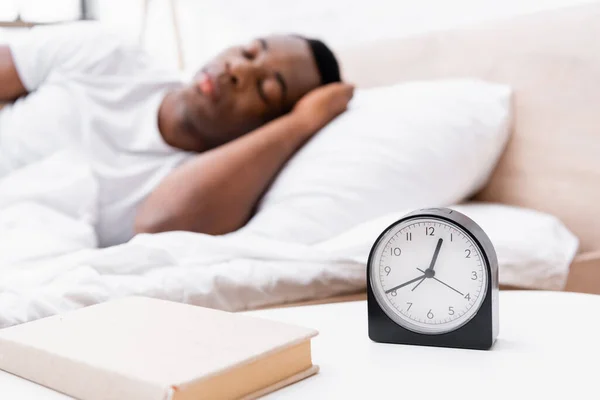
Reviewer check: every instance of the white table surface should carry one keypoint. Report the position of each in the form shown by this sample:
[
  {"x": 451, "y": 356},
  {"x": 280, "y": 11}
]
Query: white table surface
[
  {"x": 549, "y": 345},
  {"x": 548, "y": 348}
]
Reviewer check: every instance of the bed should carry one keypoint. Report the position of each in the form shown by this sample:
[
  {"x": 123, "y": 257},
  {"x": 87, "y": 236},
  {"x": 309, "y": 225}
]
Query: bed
[{"x": 552, "y": 60}]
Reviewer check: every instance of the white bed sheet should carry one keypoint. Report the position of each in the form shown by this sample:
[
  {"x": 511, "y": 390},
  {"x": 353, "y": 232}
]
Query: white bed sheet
[{"x": 49, "y": 262}]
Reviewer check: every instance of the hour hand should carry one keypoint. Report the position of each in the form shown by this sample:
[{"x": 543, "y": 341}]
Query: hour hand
[
  {"x": 436, "y": 253},
  {"x": 404, "y": 284}
]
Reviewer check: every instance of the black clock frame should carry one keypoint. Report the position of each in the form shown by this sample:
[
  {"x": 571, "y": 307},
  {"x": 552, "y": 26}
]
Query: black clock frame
[{"x": 479, "y": 333}]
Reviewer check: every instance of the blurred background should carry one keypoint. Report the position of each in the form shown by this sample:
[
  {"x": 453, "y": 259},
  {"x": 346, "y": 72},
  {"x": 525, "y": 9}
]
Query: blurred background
[{"x": 184, "y": 33}]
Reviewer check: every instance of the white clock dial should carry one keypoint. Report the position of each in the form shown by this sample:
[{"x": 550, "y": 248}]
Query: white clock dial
[{"x": 428, "y": 275}]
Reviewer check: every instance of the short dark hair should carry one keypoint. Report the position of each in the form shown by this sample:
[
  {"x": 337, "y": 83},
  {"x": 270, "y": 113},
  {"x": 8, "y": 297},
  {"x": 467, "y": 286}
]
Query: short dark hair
[{"x": 327, "y": 64}]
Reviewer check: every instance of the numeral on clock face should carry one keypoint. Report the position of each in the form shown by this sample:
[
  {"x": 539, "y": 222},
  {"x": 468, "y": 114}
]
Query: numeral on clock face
[
  {"x": 409, "y": 236},
  {"x": 395, "y": 251}
]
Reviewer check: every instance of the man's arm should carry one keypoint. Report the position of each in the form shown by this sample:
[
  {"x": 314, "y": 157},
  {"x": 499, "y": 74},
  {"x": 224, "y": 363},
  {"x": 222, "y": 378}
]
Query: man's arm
[
  {"x": 29, "y": 60},
  {"x": 11, "y": 86},
  {"x": 215, "y": 192}
]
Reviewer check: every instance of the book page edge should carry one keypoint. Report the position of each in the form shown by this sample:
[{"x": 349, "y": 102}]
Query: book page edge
[{"x": 283, "y": 383}]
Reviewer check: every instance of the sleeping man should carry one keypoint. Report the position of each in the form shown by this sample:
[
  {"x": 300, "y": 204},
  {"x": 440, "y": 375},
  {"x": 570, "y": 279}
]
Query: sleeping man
[{"x": 167, "y": 154}]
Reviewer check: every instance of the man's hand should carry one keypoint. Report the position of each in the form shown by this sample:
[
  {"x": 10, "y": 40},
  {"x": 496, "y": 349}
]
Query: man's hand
[{"x": 320, "y": 106}]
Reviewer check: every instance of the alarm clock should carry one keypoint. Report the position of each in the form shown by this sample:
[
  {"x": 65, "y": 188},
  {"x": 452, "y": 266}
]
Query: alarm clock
[{"x": 432, "y": 279}]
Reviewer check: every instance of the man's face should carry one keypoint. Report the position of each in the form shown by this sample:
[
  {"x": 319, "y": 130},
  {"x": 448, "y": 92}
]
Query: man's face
[{"x": 246, "y": 86}]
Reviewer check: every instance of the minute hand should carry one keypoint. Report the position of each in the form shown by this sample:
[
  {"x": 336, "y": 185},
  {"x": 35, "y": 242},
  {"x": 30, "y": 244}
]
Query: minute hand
[
  {"x": 405, "y": 283},
  {"x": 435, "y": 254}
]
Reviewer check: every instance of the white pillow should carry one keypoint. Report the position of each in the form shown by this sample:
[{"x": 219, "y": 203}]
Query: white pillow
[
  {"x": 410, "y": 145},
  {"x": 534, "y": 249}
]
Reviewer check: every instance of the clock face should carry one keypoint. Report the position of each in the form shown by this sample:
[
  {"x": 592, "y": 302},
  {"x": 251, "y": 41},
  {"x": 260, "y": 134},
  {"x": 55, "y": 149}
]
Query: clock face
[{"x": 428, "y": 275}]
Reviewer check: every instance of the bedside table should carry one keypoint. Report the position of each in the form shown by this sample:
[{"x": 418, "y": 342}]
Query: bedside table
[{"x": 549, "y": 345}]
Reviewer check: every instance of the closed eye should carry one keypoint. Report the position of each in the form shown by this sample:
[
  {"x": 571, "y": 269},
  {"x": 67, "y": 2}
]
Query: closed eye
[
  {"x": 272, "y": 90},
  {"x": 261, "y": 93},
  {"x": 247, "y": 55}
]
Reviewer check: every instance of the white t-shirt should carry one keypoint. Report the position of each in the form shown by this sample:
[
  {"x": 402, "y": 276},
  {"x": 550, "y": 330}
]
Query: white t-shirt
[{"x": 91, "y": 92}]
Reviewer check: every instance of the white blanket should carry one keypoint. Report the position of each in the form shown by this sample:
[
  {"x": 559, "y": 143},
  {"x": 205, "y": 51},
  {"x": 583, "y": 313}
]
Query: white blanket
[{"x": 49, "y": 262}]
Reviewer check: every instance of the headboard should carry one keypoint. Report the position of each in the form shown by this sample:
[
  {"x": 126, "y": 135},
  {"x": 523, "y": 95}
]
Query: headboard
[{"x": 552, "y": 60}]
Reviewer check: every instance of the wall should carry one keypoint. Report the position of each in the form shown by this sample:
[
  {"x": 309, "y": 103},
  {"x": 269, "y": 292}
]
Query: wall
[{"x": 206, "y": 26}]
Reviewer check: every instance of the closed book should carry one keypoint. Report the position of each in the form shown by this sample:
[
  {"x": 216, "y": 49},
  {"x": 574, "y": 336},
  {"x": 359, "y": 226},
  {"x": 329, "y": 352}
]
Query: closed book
[{"x": 147, "y": 349}]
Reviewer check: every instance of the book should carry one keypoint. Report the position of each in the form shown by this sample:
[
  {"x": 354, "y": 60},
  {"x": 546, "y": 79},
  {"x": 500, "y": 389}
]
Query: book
[{"x": 147, "y": 349}]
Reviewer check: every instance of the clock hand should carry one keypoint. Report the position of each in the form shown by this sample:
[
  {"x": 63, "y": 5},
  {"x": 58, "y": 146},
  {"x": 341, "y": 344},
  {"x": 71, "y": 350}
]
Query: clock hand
[
  {"x": 443, "y": 283},
  {"x": 435, "y": 254},
  {"x": 405, "y": 283},
  {"x": 417, "y": 285}
]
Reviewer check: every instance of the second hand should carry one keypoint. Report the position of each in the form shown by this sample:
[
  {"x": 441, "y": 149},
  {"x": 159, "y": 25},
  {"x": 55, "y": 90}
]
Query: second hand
[{"x": 443, "y": 283}]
